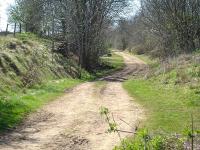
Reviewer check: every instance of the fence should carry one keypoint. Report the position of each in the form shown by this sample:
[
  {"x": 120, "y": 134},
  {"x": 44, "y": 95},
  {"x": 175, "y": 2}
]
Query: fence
[{"x": 11, "y": 29}]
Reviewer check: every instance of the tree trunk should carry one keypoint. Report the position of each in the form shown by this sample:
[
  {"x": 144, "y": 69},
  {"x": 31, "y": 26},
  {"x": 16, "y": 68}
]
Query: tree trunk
[{"x": 20, "y": 28}]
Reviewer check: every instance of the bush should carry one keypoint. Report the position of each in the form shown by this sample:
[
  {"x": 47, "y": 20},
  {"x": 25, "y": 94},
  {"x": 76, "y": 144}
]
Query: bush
[{"x": 143, "y": 140}]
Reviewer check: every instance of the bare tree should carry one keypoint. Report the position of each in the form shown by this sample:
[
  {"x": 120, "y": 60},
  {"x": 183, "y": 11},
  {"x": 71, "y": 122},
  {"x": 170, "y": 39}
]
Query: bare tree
[
  {"x": 165, "y": 27},
  {"x": 79, "y": 24},
  {"x": 175, "y": 21}
]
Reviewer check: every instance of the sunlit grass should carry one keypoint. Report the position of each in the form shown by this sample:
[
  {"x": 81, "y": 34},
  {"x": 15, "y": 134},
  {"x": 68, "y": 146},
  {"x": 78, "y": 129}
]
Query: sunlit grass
[
  {"x": 15, "y": 106},
  {"x": 110, "y": 65},
  {"x": 169, "y": 104}
]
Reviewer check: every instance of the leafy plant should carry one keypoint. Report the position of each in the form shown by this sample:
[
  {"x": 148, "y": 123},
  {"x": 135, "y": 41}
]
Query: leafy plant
[{"x": 112, "y": 124}]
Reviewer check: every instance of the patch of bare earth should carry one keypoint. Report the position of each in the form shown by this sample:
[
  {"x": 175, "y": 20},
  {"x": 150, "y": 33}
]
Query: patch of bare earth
[{"x": 73, "y": 121}]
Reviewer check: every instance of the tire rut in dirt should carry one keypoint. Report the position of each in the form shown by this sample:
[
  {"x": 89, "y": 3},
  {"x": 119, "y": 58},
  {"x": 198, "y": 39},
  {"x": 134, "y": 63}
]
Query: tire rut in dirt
[{"x": 67, "y": 142}]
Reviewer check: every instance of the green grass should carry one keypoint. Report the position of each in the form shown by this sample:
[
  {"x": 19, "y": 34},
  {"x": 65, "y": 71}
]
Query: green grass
[
  {"x": 115, "y": 61},
  {"x": 153, "y": 63},
  {"x": 14, "y": 107},
  {"x": 26, "y": 37},
  {"x": 168, "y": 107},
  {"x": 110, "y": 65},
  {"x": 168, "y": 100},
  {"x": 169, "y": 97}
]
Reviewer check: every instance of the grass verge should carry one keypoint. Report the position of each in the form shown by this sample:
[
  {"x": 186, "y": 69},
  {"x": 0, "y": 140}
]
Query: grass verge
[
  {"x": 171, "y": 97},
  {"x": 15, "y": 106},
  {"x": 169, "y": 108},
  {"x": 109, "y": 65},
  {"x": 169, "y": 104}
]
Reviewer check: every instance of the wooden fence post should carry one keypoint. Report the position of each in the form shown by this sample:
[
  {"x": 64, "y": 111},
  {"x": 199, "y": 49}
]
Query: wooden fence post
[
  {"x": 6, "y": 30},
  {"x": 15, "y": 29}
]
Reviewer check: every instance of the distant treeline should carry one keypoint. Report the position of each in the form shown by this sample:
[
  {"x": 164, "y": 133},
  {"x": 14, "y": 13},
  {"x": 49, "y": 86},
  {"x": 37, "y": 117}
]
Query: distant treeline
[{"x": 161, "y": 28}]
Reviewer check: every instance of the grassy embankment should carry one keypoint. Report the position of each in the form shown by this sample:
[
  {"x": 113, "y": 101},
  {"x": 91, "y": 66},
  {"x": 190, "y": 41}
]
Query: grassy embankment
[
  {"x": 170, "y": 94},
  {"x": 30, "y": 77}
]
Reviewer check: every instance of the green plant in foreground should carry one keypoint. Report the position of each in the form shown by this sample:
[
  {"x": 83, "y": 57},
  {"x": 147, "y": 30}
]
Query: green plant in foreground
[
  {"x": 143, "y": 140},
  {"x": 112, "y": 125}
]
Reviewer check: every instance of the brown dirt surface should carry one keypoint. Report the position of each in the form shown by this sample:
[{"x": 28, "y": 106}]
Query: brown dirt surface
[{"x": 73, "y": 121}]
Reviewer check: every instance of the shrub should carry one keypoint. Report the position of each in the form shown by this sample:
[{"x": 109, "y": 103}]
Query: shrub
[{"x": 143, "y": 140}]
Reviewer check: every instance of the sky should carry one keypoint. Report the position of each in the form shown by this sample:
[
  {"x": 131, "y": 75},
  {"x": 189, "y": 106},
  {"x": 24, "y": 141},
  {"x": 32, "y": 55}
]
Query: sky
[
  {"x": 4, "y": 5},
  {"x": 134, "y": 7}
]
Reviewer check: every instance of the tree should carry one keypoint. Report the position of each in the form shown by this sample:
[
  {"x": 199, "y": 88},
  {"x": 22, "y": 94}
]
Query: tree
[
  {"x": 79, "y": 24},
  {"x": 175, "y": 21},
  {"x": 28, "y": 13},
  {"x": 165, "y": 27}
]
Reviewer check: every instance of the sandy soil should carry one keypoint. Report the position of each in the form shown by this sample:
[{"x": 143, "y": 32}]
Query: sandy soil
[{"x": 73, "y": 121}]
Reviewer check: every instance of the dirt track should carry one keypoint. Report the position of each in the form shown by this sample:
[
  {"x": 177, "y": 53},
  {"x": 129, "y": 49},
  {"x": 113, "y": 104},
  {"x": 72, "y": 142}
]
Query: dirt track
[{"x": 73, "y": 121}]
